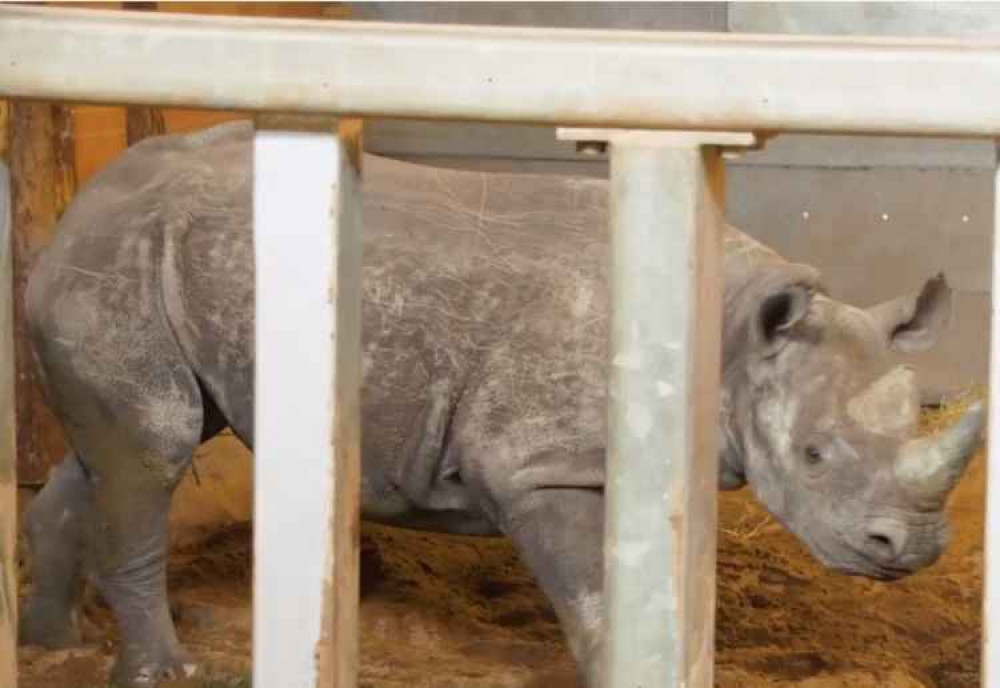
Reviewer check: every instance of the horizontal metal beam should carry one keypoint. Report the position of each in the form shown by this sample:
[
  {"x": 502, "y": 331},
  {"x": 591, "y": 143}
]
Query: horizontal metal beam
[{"x": 545, "y": 76}]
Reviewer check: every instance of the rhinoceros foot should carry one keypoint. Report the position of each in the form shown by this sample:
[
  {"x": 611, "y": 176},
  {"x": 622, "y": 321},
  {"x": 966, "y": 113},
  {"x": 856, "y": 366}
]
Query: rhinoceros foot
[
  {"x": 48, "y": 625},
  {"x": 135, "y": 669}
]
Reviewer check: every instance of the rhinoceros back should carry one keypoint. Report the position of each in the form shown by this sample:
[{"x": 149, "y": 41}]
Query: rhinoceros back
[{"x": 484, "y": 305}]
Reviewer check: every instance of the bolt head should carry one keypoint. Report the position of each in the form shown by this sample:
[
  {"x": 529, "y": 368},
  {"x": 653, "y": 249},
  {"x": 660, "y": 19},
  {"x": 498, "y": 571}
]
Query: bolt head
[{"x": 591, "y": 148}]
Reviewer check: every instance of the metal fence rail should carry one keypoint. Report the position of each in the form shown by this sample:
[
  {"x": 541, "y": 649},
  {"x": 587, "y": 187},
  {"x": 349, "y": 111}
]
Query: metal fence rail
[
  {"x": 562, "y": 77},
  {"x": 699, "y": 83}
]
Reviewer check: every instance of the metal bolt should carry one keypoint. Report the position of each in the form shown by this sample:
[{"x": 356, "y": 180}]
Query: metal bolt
[
  {"x": 591, "y": 148},
  {"x": 885, "y": 217},
  {"x": 805, "y": 214}
]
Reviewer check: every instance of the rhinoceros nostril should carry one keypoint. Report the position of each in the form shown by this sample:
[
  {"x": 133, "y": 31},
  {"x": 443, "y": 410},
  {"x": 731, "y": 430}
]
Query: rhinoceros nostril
[
  {"x": 882, "y": 546},
  {"x": 881, "y": 540}
]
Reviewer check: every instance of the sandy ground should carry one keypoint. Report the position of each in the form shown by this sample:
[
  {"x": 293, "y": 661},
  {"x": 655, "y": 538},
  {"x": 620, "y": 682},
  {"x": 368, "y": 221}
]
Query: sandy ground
[{"x": 450, "y": 612}]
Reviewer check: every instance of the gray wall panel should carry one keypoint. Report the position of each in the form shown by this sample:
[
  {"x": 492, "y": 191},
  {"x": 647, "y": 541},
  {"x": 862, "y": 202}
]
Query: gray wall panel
[
  {"x": 975, "y": 19},
  {"x": 847, "y": 152},
  {"x": 519, "y": 142},
  {"x": 936, "y": 220},
  {"x": 662, "y": 16}
]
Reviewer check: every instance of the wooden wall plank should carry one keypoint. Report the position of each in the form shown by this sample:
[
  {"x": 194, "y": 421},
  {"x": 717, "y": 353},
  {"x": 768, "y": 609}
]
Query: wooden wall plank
[
  {"x": 8, "y": 446},
  {"x": 43, "y": 180}
]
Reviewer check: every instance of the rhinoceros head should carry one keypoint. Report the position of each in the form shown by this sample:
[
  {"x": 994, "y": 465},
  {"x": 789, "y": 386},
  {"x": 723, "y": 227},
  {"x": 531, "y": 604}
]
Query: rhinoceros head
[{"x": 821, "y": 421}]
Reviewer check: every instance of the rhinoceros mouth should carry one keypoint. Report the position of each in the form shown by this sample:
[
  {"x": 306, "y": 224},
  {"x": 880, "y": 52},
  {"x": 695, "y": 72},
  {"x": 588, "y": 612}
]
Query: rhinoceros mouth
[
  {"x": 851, "y": 561},
  {"x": 888, "y": 574},
  {"x": 863, "y": 568}
]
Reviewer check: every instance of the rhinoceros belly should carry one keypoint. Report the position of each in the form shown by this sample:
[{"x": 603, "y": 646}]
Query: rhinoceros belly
[{"x": 483, "y": 307}]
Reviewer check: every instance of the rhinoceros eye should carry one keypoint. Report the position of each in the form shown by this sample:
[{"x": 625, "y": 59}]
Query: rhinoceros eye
[{"x": 813, "y": 455}]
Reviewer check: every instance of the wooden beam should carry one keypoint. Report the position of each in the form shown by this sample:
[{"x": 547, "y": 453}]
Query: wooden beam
[
  {"x": 43, "y": 181},
  {"x": 99, "y": 133},
  {"x": 8, "y": 447},
  {"x": 307, "y": 463},
  {"x": 143, "y": 122}
]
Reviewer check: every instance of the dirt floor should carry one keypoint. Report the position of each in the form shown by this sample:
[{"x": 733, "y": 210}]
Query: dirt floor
[{"x": 450, "y": 612}]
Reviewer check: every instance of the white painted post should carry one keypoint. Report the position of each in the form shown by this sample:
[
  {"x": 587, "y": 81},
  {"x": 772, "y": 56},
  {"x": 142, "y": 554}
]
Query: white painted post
[
  {"x": 991, "y": 562},
  {"x": 307, "y": 466},
  {"x": 8, "y": 452}
]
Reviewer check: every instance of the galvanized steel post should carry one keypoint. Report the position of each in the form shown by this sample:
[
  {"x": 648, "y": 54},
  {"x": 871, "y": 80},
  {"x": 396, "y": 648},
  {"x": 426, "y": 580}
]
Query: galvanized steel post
[
  {"x": 659, "y": 577},
  {"x": 307, "y": 227}
]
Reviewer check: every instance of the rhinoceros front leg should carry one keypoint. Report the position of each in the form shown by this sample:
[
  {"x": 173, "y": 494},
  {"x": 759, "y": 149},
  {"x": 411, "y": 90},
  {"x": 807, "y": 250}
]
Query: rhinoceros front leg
[
  {"x": 560, "y": 534},
  {"x": 56, "y": 524}
]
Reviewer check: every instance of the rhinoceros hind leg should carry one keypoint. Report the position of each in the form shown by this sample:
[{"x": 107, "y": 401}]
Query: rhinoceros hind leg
[
  {"x": 132, "y": 503},
  {"x": 134, "y": 448},
  {"x": 55, "y": 525},
  {"x": 131, "y": 554}
]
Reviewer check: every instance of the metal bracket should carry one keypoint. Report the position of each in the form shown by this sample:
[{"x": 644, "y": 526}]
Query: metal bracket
[{"x": 595, "y": 141}]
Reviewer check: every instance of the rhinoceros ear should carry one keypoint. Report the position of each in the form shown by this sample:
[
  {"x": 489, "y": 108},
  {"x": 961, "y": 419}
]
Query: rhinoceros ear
[
  {"x": 914, "y": 323},
  {"x": 785, "y": 304}
]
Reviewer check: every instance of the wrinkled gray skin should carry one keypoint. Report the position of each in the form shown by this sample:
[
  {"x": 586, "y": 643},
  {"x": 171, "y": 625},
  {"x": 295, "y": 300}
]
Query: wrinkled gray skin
[{"x": 485, "y": 360}]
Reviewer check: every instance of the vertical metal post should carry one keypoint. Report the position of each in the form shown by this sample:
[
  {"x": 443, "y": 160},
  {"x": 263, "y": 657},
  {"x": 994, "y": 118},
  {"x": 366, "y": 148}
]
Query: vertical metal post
[
  {"x": 8, "y": 453},
  {"x": 307, "y": 228},
  {"x": 659, "y": 576},
  {"x": 991, "y": 564}
]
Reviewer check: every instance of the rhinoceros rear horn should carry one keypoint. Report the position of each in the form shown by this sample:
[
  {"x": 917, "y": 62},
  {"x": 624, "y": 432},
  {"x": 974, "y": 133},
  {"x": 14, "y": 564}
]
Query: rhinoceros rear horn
[{"x": 931, "y": 466}]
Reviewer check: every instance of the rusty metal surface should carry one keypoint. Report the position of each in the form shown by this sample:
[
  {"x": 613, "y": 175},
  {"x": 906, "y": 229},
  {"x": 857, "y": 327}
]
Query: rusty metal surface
[{"x": 558, "y": 76}]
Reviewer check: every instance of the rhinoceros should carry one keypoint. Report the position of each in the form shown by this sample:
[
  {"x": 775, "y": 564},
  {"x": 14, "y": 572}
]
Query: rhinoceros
[{"x": 485, "y": 356}]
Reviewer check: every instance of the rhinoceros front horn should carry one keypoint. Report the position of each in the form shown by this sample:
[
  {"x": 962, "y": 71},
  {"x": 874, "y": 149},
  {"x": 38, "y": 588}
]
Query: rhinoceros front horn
[{"x": 931, "y": 466}]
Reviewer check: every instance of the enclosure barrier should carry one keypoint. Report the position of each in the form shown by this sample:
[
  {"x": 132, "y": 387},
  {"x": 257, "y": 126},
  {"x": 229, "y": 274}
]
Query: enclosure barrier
[{"x": 666, "y": 193}]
